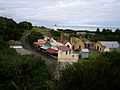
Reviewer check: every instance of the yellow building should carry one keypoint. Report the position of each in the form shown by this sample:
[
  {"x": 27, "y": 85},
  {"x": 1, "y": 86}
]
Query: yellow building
[
  {"x": 106, "y": 46},
  {"x": 77, "y": 43}
]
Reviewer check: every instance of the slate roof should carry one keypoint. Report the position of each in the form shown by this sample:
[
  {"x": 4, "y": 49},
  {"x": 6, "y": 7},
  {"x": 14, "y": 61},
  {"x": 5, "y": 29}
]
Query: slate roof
[
  {"x": 45, "y": 47},
  {"x": 13, "y": 42},
  {"x": 110, "y": 44},
  {"x": 85, "y": 50}
]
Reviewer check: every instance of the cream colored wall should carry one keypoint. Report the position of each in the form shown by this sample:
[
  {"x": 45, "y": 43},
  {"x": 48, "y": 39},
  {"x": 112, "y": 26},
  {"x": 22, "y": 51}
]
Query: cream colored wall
[
  {"x": 101, "y": 48},
  {"x": 79, "y": 43},
  {"x": 63, "y": 57}
]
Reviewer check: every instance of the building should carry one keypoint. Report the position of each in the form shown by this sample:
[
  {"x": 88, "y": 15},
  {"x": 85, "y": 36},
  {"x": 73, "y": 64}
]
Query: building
[
  {"x": 65, "y": 42},
  {"x": 76, "y": 43},
  {"x": 106, "y": 46},
  {"x": 17, "y": 45},
  {"x": 84, "y": 53},
  {"x": 66, "y": 54}
]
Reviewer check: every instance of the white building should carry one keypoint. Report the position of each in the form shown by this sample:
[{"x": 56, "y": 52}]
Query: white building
[
  {"x": 66, "y": 54},
  {"x": 84, "y": 53}
]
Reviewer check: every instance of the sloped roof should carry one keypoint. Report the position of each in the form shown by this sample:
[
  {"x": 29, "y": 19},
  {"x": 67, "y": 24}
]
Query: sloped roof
[
  {"x": 50, "y": 50},
  {"x": 85, "y": 50},
  {"x": 110, "y": 44},
  {"x": 64, "y": 42},
  {"x": 64, "y": 48},
  {"x": 13, "y": 42},
  {"x": 45, "y": 47},
  {"x": 39, "y": 43}
]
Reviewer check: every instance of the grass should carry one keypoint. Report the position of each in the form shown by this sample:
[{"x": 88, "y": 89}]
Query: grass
[
  {"x": 44, "y": 31},
  {"x": 92, "y": 56}
]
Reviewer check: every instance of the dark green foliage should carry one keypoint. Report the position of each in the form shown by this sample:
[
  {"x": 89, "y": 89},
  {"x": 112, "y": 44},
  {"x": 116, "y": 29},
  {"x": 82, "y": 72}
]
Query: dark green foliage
[
  {"x": 22, "y": 73},
  {"x": 25, "y": 25},
  {"x": 9, "y": 29},
  {"x": 100, "y": 74},
  {"x": 106, "y": 35},
  {"x": 55, "y": 33},
  {"x": 34, "y": 36}
]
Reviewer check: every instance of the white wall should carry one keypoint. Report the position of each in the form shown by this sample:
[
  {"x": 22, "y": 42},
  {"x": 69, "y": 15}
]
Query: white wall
[
  {"x": 69, "y": 56},
  {"x": 84, "y": 55},
  {"x": 69, "y": 45}
]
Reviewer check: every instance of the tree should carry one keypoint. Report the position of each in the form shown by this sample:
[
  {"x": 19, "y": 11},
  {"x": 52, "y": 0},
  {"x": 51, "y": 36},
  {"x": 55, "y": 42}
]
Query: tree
[
  {"x": 100, "y": 74},
  {"x": 25, "y": 25},
  {"x": 22, "y": 73},
  {"x": 34, "y": 36}
]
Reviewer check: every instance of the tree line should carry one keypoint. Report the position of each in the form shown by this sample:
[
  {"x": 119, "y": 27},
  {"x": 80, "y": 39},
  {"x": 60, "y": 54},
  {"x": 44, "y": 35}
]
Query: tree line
[
  {"x": 106, "y": 35},
  {"x": 20, "y": 72},
  {"x": 100, "y": 74},
  {"x": 9, "y": 29}
]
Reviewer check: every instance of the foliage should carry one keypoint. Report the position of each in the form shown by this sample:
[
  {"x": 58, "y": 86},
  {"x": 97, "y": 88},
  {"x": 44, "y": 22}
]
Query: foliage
[
  {"x": 106, "y": 34},
  {"x": 22, "y": 73},
  {"x": 25, "y": 25},
  {"x": 9, "y": 29},
  {"x": 55, "y": 33},
  {"x": 100, "y": 74},
  {"x": 34, "y": 36}
]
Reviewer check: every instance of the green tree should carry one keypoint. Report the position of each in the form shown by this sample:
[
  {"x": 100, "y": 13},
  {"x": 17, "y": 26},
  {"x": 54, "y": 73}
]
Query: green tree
[
  {"x": 100, "y": 74},
  {"x": 34, "y": 36}
]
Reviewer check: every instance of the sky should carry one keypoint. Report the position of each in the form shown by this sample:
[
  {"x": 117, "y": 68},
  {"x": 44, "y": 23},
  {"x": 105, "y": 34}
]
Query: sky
[{"x": 63, "y": 12}]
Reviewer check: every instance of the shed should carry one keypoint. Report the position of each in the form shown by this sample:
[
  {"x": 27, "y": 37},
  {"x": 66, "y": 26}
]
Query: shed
[{"x": 84, "y": 53}]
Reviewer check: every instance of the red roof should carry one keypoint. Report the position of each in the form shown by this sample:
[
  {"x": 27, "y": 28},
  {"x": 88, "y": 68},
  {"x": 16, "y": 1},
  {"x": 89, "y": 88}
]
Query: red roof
[
  {"x": 52, "y": 50},
  {"x": 64, "y": 42},
  {"x": 39, "y": 43},
  {"x": 64, "y": 48}
]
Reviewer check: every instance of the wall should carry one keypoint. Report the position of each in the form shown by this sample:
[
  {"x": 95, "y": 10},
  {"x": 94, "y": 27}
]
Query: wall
[
  {"x": 99, "y": 47},
  {"x": 70, "y": 56},
  {"x": 84, "y": 55}
]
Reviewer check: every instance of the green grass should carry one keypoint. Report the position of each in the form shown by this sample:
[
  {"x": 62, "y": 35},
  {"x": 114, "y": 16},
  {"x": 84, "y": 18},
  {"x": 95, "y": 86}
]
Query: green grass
[
  {"x": 92, "y": 56},
  {"x": 39, "y": 29}
]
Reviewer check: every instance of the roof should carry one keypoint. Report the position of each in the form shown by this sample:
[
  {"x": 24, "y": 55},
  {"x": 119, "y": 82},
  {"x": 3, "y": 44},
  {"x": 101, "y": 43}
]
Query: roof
[
  {"x": 16, "y": 47},
  {"x": 45, "y": 47},
  {"x": 64, "y": 48},
  {"x": 39, "y": 43},
  {"x": 50, "y": 50},
  {"x": 12, "y": 42},
  {"x": 64, "y": 42},
  {"x": 56, "y": 44},
  {"x": 85, "y": 50},
  {"x": 48, "y": 44},
  {"x": 110, "y": 44}
]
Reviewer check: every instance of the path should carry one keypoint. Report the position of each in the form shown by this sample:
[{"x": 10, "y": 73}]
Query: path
[{"x": 49, "y": 61}]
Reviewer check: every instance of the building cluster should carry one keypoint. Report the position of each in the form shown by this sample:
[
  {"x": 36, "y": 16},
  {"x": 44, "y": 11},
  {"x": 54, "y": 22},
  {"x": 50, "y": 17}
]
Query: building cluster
[{"x": 65, "y": 50}]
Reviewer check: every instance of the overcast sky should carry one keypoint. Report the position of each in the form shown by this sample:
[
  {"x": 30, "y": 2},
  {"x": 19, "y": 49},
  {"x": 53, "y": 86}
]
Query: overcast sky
[{"x": 63, "y": 12}]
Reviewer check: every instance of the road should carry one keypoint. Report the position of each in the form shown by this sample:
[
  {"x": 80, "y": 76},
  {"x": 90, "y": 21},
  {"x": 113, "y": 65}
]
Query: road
[{"x": 50, "y": 62}]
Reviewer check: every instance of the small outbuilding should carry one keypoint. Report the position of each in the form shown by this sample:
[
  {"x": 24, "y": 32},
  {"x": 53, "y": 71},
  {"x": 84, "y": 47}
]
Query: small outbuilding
[{"x": 84, "y": 53}]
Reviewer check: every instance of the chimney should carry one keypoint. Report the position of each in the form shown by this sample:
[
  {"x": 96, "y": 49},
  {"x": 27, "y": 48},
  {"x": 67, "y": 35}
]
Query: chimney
[{"x": 62, "y": 37}]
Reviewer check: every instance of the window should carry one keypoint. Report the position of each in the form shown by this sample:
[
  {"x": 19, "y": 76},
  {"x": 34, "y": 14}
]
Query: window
[
  {"x": 72, "y": 55},
  {"x": 68, "y": 46},
  {"x": 69, "y": 52},
  {"x": 79, "y": 47},
  {"x": 66, "y": 52},
  {"x": 73, "y": 47}
]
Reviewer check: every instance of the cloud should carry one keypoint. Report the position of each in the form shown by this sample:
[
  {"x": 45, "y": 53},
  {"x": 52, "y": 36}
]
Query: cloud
[{"x": 63, "y": 12}]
